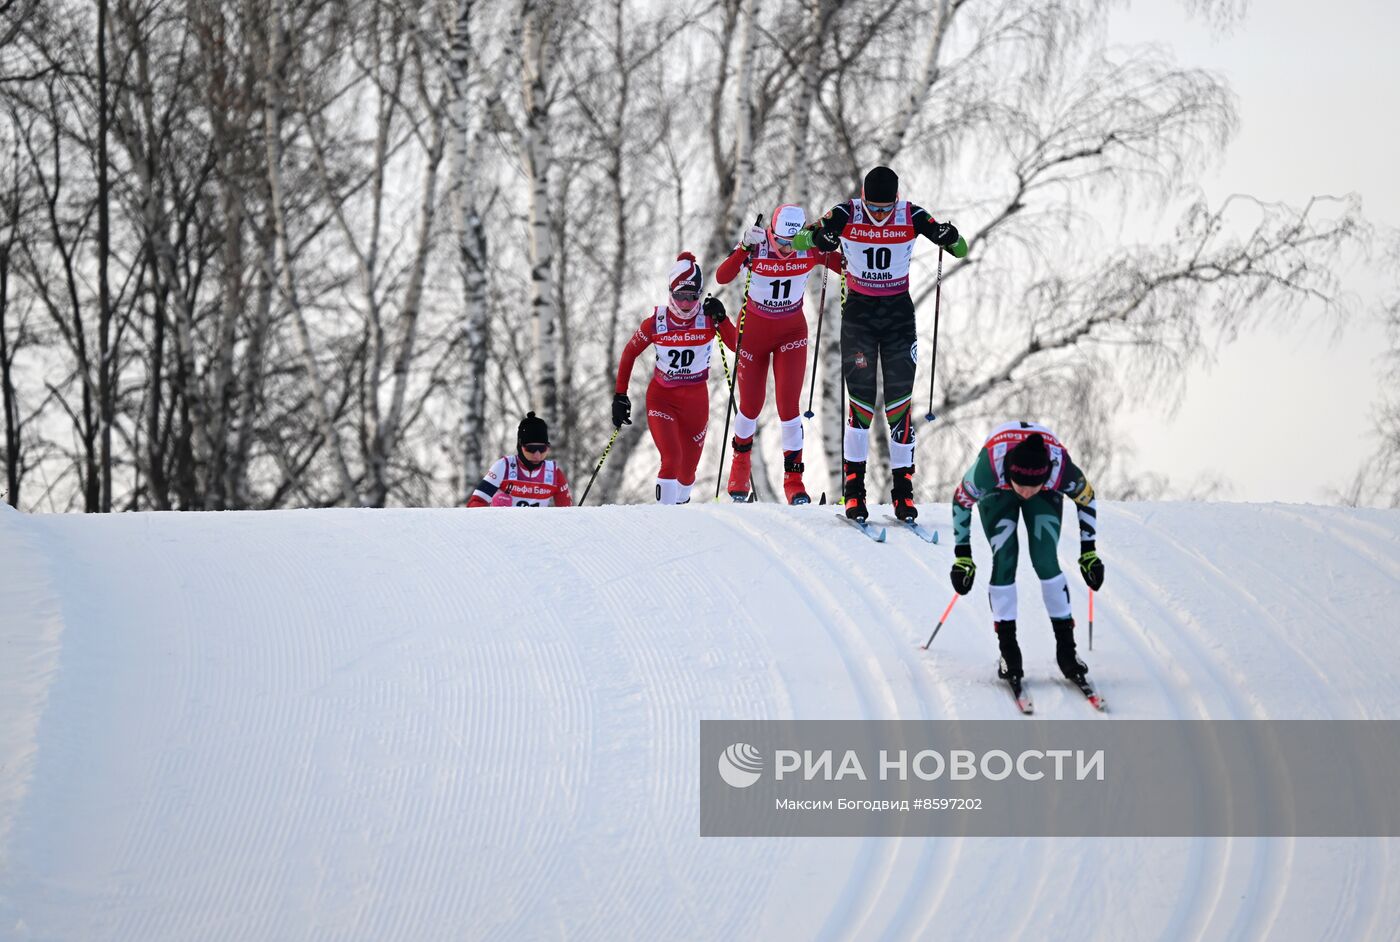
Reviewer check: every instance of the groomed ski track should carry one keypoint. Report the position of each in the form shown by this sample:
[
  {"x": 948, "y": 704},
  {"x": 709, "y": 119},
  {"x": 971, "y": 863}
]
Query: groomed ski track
[{"x": 440, "y": 724}]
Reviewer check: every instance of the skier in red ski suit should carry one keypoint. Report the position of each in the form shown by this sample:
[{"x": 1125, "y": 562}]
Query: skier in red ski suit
[
  {"x": 775, "y": 329},
  {"x": 528, "y": 478},
  {"x": 678, "y": 398}
]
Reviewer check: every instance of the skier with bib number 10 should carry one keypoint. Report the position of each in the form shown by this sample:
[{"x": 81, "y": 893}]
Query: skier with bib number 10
[
  {"x": 775, "y": 329},
  {"x": 876, "y": 235}
]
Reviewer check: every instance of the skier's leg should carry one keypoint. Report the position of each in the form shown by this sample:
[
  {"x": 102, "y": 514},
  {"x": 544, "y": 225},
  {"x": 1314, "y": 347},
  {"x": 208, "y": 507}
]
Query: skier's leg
[
  {"x": 1000, "y": 513},
  {"x": 665, "y": 432},
  {"x": 898, "y": 355},
  {"x": 693, "y": 423},
  {"x": 1043, "y": 514},
  {"x": 752, "y": 383},
  {"x": 859, "y": 349},
  {"x": 789, "y": 370}
]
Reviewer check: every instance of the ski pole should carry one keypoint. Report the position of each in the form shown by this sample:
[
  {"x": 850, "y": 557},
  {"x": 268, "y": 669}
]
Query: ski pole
[
  {"x": 738, "y": 346},
  {"x": 953, "y": 601},
  {"x": 937, "y": 299},
  {"x": 817, "y": 350},
  {"x": 599, "y": 466},
  {"x": 1091, "y": 619}
]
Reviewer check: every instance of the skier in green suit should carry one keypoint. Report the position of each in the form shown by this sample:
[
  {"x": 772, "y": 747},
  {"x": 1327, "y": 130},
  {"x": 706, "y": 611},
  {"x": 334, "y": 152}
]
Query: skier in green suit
[{"x": 1023, "y": 471}]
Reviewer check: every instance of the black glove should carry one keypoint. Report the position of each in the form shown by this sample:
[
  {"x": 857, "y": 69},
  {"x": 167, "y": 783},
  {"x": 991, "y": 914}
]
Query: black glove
[
  {"x": 1090, "y": 566},
  {"x": 622, "y": 410},
  {"x": 964, "y": 572},
  {"x": 714, "y": 310},
  {"x": 945, "y": 234},
  {"x": 825, "y": 240}
]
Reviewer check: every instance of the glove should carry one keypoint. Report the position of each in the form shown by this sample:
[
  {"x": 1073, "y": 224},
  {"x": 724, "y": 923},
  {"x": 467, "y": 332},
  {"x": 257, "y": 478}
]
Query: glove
[
  {"x": 1090, "y": 566},
  {"x": 964, "y": 572},
  {"x": 753, "y": 238},
  {"x": 622, "y": 410},
  {"x": 825, "y": 240},
  {"x": 714, "y": 310},
  {"x": 945, "y": 234}
]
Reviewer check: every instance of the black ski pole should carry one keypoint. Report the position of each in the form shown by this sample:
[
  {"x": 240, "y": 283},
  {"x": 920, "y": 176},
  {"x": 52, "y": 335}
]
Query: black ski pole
[
  {"x": 599, "y": 466},
  {"x": 738, "y": 347},
  {"x": 817, "y": 350},
  {"x": 937, "y": 298}
]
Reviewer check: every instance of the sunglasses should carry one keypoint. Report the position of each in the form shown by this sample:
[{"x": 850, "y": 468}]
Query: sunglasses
[
  {"x": 686, "y": 295},
  {"x": 880, "y": 207},
  {"x": 535, "y": 449}
]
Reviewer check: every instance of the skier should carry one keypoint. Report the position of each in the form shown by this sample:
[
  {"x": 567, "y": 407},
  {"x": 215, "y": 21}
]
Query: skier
[
  {"x": 775, "y": 329},
  {"x": 529, "y": 478},
  {"x": 876, "y": 234},
  {"x": 1023, "y": 471},
  {"x": 678, "y": 398}
]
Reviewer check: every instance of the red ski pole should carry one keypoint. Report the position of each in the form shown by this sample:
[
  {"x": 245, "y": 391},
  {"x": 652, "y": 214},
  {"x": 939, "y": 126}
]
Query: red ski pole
[{"x": 946, "y": 612}]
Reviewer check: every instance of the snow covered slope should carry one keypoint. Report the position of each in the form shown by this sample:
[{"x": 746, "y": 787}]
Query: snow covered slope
[{"x": 442, "y": 725}]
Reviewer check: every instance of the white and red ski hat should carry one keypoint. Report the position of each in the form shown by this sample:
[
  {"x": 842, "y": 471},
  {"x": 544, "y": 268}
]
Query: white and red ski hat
[
  {"x": 785, "y": 222},
  {"x": 686, "y": 274}
]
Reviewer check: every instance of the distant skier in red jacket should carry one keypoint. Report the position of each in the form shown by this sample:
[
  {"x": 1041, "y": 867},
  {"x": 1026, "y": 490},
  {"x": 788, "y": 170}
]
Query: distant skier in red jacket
[
  {"x": 678, "y": 398},
  {"x": 528, "y": 478},
  {"x": 775, "y": 328}
]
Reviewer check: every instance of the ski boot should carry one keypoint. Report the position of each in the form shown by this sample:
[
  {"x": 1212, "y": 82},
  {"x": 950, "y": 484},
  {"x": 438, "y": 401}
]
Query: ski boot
[
  {"x": 740, "y": 469},
  {"x": 902, "y": 493},
  {"x": 793, "y": 489},
  {"x": 1070, "y": 664},
  {"x": 1009, "y": 668},
  {"x": 853, "y": 490}
]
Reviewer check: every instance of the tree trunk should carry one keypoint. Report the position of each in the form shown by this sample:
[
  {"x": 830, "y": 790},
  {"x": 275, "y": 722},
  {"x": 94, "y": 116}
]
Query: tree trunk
[{"x": 538, "y": 157}]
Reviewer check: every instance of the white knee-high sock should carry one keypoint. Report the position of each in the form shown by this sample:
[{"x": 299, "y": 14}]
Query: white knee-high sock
[
  {"x": 792, "y": 434},
  {"x": 1003, "y": 602},
  {"x": 857, "y": 443},
  {"x": 667, "y": 491},
  {"x": 1055, "y": 591}
]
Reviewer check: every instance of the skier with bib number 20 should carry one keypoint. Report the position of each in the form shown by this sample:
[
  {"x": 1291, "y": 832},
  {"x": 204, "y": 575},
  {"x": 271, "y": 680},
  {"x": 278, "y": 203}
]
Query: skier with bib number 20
[
  {"x": 678, "y": 398},
  {"x": 1023, "y": 471},
  {"x": 876, "y": 234},
  {"x": 775, "y": 328}
]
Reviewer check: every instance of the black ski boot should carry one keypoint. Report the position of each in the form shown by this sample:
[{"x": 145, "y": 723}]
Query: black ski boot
[
  {"x": 1010, "y": 667},
  {"x": 902, "y": 493},
  {"x": 853, "y": 490},
  {"x": 1070, "y": 664}
]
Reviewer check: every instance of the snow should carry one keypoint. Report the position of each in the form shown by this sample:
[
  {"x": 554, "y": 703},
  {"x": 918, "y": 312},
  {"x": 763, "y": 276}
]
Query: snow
[{"x": 431, "y": 724}]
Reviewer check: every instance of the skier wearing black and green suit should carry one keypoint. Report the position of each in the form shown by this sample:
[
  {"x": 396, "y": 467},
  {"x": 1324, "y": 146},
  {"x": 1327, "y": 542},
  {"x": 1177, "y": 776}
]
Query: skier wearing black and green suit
[{"x": 1023, "y": 470}]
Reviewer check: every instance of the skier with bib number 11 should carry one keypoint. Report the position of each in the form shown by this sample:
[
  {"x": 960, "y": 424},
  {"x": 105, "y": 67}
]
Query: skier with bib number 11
[
  {"x": 775, "y": 329},
  {"x": 876, "y": 235}
]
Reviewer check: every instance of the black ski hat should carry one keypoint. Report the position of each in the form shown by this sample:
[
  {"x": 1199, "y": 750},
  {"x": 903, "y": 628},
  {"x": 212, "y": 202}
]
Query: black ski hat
[
  {"x": 532, "y": 431},
  {"x": 881, "y": 186},
  {"x": 1028, "y": 463}
]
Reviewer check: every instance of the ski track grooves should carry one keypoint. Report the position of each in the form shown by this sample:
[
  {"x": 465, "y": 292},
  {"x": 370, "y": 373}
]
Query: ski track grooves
[{"x": 936, "y": 855}]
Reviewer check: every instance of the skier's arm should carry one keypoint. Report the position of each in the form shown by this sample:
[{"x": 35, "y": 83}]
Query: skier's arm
[
  {"x": 833, "y": 261},
  {"x": 943, "y": 234},
  {"x": 1078, "y": 489},
  {"x": 825, "y": 235},
  {"x": 481, "y": 497},
  {"x": 980, "y": 480},
  {"x": 639, "y": 342},
  {"x": 731, "y": 266},
  {"x": 563, "y": 498}
]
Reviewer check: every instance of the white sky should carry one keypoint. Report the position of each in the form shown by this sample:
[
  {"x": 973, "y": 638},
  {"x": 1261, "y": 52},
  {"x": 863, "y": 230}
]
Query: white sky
[{"x": 1318, "y": 89}]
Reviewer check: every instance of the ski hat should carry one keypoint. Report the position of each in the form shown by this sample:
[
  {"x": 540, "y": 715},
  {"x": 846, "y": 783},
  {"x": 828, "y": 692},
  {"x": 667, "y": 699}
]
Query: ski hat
[
  {"x": 1028, "y": 463},
  {"x": 532, "y": 431},
  {"x": 881, "y": 186},
  {"x": 785, "y": 222},
  {"x": 686, "y": 276}
]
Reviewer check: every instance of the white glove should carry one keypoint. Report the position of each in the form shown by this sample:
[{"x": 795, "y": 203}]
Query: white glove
[{"x": 755, "y": 236}]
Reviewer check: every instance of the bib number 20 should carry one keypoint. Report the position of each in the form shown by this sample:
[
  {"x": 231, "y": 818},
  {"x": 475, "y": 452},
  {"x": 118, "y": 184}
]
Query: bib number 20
[{"x": 681, "y": 358}]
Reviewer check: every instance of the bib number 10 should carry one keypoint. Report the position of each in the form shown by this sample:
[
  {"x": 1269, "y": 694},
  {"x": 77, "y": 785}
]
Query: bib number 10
[{"x": 878, "y": 258}]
